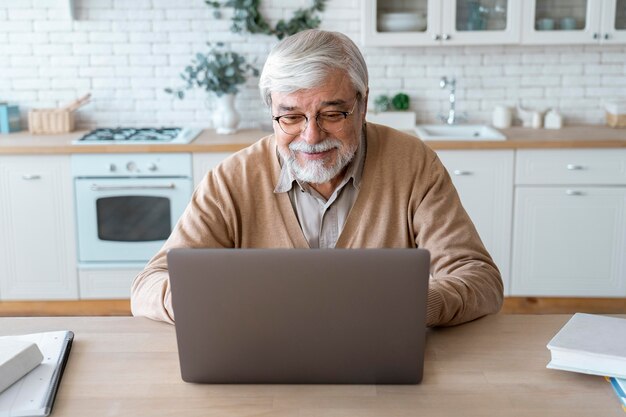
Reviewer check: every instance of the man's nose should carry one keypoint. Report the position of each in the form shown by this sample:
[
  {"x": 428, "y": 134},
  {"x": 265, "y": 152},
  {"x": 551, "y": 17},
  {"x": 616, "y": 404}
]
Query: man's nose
[{"x": 312, "y": 132}]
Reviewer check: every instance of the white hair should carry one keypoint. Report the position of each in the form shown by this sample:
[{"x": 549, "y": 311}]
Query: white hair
[{"x": 304, "y": 60}]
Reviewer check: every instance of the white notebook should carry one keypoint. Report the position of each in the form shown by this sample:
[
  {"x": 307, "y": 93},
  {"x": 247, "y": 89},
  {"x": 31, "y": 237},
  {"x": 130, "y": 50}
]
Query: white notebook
[
  {"x": 590, "y": 344},
  {"x": 34, "y": 394}
]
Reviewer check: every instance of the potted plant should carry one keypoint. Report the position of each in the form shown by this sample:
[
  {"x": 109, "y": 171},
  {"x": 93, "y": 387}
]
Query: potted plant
[
  {"x": 393, "y": 111},
  {"x": 219, "y": 71}
]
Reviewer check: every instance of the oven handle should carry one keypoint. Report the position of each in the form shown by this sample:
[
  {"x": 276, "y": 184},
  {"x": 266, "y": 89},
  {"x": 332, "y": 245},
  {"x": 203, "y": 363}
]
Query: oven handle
[{"x": 96, "y": 187}]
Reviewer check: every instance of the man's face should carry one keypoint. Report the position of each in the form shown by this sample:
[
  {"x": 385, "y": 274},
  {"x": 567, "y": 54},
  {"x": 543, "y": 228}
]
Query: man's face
[{"x": 314, "y": 155}]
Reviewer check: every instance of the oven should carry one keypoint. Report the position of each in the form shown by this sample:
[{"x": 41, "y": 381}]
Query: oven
[{"x": 127, "y": 204}]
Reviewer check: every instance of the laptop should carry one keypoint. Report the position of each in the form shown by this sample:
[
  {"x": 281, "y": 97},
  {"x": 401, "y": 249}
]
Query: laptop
[{"x": 296, "y": 316}]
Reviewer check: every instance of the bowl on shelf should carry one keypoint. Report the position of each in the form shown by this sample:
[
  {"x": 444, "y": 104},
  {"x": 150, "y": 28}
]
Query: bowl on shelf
[{"x": 401, "y": 22}]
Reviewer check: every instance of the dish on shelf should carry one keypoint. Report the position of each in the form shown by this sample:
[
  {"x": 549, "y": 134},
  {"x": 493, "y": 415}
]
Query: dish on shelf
[{"x": 401, "y": 22}]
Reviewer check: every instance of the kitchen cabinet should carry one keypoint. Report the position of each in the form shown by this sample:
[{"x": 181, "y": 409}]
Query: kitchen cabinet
[
  {"x": 106, "y": 282},
  {"x": 574, "y": 22},
  {"x": 204, "y": 162},
  {"x": 484, "y": 181},
  {"x": 569, "y": 232},
  {"x": 440, "y": 22},
  {"x": 38, "y": 238}
]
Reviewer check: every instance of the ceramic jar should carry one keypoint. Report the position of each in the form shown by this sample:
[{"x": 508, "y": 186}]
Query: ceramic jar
[{"x": 502, "y": 117}]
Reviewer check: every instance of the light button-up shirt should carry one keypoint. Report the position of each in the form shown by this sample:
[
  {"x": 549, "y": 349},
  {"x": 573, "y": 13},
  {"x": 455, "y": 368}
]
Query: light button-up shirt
[{"x": 322, "y": 220}]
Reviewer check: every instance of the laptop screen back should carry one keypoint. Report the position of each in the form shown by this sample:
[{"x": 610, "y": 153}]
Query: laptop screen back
[{"x": 299, "y": 315}]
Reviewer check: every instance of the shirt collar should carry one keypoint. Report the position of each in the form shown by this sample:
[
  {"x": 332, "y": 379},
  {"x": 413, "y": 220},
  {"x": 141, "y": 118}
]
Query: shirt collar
[{"x": 354, "y": 171}]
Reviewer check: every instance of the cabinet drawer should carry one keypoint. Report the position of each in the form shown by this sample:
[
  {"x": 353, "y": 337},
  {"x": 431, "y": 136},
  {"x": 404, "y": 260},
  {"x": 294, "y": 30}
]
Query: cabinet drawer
[{"x": 571, "y": 166}]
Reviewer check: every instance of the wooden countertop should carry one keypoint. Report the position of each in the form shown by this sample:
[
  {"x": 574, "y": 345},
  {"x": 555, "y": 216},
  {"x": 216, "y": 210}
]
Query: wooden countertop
[
  {"x": 494, "y": 366},
  {"x": 209, "y": 141}
]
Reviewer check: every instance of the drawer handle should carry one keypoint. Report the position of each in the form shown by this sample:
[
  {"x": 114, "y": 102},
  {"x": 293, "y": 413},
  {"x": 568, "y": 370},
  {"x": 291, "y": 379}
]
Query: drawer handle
[
  {"x": 460, "y": 172},
  {"x": 574, "y": 192},
  {"x": 31, "y": 177},
  {"x": 574, "y": 167}
]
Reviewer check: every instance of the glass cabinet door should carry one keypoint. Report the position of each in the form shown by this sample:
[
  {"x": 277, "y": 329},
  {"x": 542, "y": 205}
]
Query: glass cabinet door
[
  {"x": 562, "y": 21},
  {"x": 613, "y": 26},
  {"x": 440, "y": 22},
  {"x": 619, "y": 23},
  {"x": 482, "y": 21},
  {"x": 401, "y": 22}
]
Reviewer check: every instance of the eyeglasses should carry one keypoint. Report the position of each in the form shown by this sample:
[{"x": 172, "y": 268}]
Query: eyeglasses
[{"x": 329, "y": 121}]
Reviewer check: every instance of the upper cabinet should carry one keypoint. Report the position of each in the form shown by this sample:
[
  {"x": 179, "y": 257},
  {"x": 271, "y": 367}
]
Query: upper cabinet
[
  {"x": 476, "y": 22},
  {"x": 574, "y": 22},
  {"x": 441, "y": 22}
]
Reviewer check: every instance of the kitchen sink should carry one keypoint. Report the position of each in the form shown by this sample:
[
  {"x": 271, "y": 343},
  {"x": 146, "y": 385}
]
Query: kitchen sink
[{"x": 458, "y": 132}]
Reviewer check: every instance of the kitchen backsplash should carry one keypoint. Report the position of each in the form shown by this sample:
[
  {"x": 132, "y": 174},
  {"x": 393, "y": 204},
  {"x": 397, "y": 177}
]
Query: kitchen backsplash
[{"x": 125, "y": 52}]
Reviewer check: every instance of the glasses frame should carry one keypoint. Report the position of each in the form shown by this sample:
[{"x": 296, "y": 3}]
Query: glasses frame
[{"x": 306, "y": 119}]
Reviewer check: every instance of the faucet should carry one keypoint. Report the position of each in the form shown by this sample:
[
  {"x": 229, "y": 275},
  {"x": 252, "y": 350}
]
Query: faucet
[{"x": 452, "y": 117}]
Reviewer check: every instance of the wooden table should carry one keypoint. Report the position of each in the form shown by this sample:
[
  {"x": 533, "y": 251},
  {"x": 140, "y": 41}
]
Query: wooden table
[{"x": 495, "y": 366}]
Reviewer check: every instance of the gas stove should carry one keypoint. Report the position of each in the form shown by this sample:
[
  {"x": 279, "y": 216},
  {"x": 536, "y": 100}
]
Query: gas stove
[{"x": 138, "y": 136}]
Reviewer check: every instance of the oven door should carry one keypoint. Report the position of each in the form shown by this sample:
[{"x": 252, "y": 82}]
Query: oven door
[{"x": 127, "y": 219}]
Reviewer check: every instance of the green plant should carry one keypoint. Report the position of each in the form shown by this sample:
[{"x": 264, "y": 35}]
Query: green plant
[
  {"x": 246, "y": 17},
  {"x": 382, "y": 103},
  {"x": 218, "y": 70},
  {"x": 400, "y": 101}
]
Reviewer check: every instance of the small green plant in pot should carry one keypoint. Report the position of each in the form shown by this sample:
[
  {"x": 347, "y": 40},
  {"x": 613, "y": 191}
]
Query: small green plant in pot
[{"x": 219, "y": 71}]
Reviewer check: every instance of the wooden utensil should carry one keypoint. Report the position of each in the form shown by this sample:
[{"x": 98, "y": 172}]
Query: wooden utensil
[{"x": 74, "y": 105}]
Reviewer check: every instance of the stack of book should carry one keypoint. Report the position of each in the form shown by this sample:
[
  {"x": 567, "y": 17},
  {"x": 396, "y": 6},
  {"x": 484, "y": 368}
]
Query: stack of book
[{"x": 593, "y": 344}]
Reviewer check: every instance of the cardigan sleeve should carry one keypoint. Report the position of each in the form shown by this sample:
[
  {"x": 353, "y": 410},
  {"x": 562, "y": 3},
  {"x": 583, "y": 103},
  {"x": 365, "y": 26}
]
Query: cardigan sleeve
[
  {"x": 202, "y": 225},
  {"x": 465, "y": 282}
]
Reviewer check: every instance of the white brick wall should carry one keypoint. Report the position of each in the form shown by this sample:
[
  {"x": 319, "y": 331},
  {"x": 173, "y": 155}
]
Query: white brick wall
[{"x": 126, "y": 52}]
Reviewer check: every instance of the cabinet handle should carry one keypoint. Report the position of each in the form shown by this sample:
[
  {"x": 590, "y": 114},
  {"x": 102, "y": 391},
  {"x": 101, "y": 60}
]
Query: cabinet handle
[
  {"x": 573, "y": 192},
  {"x": 446, "y": 37},
  {"x": 460, "y": 172},
  {"x": 96, "y": 187},
  {"x": 606, "y": 36},
  {"x": 574, "y": 167},
  {"x": 596, "y": 36},
  {"x": 436, "y": 37},
  {"x": 30, "y": 177}
]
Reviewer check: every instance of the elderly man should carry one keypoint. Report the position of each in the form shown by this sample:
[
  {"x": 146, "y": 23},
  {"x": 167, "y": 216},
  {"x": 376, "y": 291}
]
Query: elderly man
[{"x": 328, "y": 179}]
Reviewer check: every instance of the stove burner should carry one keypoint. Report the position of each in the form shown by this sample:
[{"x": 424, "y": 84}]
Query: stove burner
[
  {"x": 164, "y": 134},
  {"x": 137, "y": 136}
]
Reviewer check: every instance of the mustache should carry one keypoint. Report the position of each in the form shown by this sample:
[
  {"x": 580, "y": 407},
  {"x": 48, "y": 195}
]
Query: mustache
[{"x": 326, "y": 145}]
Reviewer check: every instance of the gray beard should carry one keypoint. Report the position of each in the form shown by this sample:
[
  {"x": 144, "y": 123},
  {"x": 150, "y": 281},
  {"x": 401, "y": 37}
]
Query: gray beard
[{"x": 316, "y": 172}]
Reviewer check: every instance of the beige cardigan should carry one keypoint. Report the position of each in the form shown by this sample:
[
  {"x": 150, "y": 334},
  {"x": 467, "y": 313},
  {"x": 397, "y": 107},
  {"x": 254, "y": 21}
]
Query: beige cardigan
[{"x": 406, "y": 200}]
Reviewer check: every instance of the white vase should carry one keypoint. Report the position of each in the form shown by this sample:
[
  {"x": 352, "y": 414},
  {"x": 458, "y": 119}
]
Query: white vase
[{"x": 225, "y": 117}]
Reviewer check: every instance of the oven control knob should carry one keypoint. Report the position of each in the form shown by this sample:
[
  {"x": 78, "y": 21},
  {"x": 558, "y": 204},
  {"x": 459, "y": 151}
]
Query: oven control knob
[
  {"x": 112, "y": 168},
  {"x": 131, "y": 166},
  {"x": 152, "y": 167}
]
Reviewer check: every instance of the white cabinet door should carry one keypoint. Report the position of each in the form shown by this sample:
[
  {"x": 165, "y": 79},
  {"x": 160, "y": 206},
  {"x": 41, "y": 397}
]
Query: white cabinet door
[
  {"x": 440, "y": 22},
  {"x": 204, "y": 162},
  {"x": 563, "y": 22},
  {"x": 613, "y": 21},
  {"x": 37, "y": 242},
  {"x": 481, "y": 22},
  {"x": 106, "y": 282},
  {"x": 569, "y": 241},
  {"x": 484, "y": 181},
  {"x": 381, "y": 18}
]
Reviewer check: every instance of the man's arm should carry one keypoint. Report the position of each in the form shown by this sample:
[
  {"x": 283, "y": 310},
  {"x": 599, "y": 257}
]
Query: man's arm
[
  {"x": 202, "y": 225},
  {"x": 465, "y": 282}
]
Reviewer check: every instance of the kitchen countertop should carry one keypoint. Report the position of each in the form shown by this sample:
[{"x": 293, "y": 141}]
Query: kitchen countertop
[{"x": 208, "y": 141}]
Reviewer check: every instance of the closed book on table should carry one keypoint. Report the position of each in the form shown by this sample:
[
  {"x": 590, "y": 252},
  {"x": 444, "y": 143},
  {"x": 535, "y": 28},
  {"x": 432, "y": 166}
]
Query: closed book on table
[
  {"x": 590, "y": 344},
  {"x": 17, "y": 358}
]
